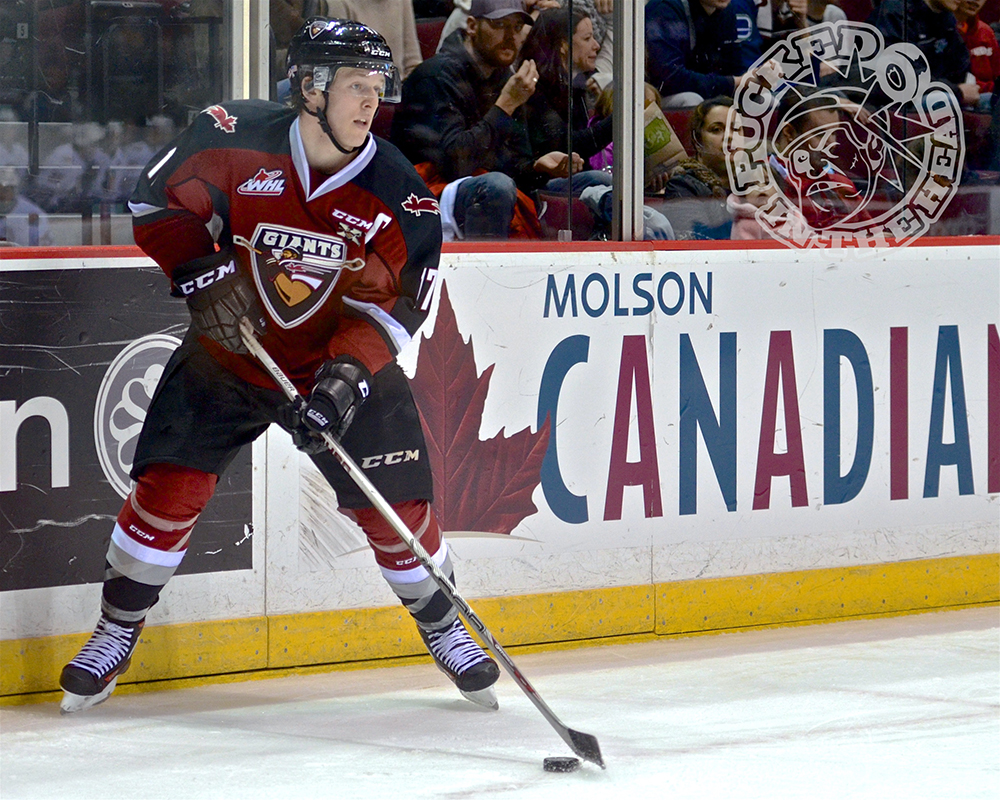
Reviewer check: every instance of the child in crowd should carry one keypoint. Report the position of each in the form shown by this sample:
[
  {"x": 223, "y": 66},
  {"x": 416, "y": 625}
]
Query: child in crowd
[{"x": 603, "y": 109}]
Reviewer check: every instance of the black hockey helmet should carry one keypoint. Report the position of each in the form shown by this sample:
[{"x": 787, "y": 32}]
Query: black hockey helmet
[{"x": 323, "y": 45}]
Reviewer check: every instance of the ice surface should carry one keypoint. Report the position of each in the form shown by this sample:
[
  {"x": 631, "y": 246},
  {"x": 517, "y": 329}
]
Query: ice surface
[{"x": 903, "y": 708}]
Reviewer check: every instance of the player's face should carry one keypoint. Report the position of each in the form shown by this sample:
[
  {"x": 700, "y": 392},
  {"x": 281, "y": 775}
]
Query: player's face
[{"x": 354, "y": 98}]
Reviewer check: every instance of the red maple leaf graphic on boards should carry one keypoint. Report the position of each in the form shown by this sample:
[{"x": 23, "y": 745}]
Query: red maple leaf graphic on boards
[{"x": 478, "y": 485}]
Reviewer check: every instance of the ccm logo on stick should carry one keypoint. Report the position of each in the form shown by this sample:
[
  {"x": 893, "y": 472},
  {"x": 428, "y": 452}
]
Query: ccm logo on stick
[{"x": 388, "y": 459}]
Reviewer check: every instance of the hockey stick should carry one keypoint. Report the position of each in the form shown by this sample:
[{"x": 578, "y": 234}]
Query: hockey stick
[{"x": 583, "y": 744}]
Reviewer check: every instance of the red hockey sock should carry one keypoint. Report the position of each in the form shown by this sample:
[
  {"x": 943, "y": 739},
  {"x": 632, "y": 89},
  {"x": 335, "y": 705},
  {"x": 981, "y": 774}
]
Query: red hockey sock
[
  {"x": 151, "y": 537},
  {"x": 390, "y": 552},
  {"x": 164, "y": 506},
  {"x": 173, "y": 493}
]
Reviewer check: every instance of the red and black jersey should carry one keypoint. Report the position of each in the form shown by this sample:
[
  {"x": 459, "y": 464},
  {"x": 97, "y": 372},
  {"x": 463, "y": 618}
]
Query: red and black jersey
[{"x": 344, "y": 264}]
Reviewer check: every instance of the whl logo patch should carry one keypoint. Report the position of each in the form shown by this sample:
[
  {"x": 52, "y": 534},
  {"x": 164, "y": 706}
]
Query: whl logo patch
[
  {"x": 295, "y": 271},
  {"x": 269, "y": 183}
]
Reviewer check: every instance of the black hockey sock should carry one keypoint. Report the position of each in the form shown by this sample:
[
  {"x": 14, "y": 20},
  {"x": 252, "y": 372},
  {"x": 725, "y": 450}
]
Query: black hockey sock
[
  {"x": 432, "y": 611},
  {"x": 427, "y": 604},
  {"x": 129, "y": 597}
]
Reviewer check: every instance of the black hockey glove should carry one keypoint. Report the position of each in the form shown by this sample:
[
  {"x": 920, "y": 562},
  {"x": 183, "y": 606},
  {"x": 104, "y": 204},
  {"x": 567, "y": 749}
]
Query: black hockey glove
[
  {"x": 341, "y": 386},
  {"x": 218, "y": 295}
]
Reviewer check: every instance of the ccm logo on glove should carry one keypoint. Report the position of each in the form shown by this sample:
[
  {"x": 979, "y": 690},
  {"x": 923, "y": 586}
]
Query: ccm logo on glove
[
  {"x": 206, "y": 279},
  {"x": 342, "y": 386},
  {"x": 317, "y": 419},
  {"x": 219, "y": 295}
]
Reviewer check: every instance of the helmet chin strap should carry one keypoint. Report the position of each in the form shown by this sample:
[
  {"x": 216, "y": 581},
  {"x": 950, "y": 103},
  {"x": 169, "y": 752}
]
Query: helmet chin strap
[{"x": 324, "y": 123}]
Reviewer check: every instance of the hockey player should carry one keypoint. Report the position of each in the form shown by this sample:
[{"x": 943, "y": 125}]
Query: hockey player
[{"x": 301, "y": 221}]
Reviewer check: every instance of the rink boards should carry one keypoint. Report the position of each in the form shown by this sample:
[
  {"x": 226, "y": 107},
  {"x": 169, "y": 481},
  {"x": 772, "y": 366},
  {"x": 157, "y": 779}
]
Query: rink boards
[{"x": 632, "y": 440}]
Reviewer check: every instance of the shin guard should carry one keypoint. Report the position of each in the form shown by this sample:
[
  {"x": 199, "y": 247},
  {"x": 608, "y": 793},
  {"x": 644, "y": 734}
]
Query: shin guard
[
  {"x": 407, "y": 578},
  {"x": 151, "y": 536}
]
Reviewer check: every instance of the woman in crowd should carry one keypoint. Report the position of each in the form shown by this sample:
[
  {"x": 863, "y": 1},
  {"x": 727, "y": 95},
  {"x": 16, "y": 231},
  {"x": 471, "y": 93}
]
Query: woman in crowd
[
  {"x": 564, "y": 65},
  {"x": 703, "y": 176}
]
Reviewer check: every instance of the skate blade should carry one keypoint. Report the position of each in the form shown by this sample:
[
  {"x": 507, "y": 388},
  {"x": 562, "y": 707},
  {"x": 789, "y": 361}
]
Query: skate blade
[
  {"x": 487, "y": 698},
  {"x": 71, "y": 703}
]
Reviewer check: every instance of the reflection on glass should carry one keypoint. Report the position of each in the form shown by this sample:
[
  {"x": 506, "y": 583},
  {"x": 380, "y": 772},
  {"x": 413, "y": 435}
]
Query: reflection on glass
[{"x": 89, "y": 91}]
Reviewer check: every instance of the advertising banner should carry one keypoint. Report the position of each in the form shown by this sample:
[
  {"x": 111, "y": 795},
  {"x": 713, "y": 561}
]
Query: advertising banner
[
  {"x": 81, "y": 351},
  {"x": 595, "y": 418},
  {"x": 608, "y": 418},
  {"x": 733, "y": 394}
]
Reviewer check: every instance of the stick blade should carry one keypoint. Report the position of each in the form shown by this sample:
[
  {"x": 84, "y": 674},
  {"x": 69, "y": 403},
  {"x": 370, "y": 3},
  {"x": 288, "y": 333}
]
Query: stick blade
[{"x": 586, "y": 746}]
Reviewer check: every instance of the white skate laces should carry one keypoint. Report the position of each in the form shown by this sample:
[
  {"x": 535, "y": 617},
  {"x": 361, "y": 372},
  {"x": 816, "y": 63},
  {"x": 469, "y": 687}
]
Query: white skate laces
[
  {"x": 91, "y": 676},
  {"x": 459, "y": 657}
]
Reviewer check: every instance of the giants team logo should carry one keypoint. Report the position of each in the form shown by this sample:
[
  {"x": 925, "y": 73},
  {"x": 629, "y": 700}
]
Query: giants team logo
[
  {"x": 122, "y": 402},
  {"x": 317, "y": 27},
  {"x": 838, "y": 140},
  {"x": 223, "y": 121},
  {"x": 295, "y": 271},
  {"x": 263, "y": 183},
  {"x": 418, "y": 205}
]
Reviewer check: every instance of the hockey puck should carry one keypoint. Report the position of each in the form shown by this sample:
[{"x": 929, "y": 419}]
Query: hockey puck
[{"x": 561, "y": 764}]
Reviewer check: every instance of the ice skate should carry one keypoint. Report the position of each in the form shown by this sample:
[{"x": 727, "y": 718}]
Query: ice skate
[
  {"x": 92, "y": 675},
  {"x": 461, "y": 659}
]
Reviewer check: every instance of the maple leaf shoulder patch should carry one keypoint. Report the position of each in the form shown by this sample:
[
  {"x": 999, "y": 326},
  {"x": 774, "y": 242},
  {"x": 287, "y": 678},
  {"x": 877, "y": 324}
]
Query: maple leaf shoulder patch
[
  {"x": 421, "y": 205},
  {"x": 223, "y": 120}
]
